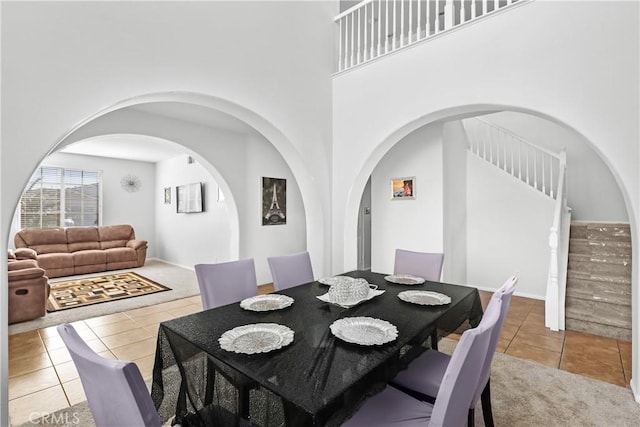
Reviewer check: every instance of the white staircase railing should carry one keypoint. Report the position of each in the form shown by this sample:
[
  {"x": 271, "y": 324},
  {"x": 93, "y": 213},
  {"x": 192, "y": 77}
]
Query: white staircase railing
[
  {"x": 373, "y": 28},
  {"x": 534, "y": 165},
  {"x": 546, "y": 172}
]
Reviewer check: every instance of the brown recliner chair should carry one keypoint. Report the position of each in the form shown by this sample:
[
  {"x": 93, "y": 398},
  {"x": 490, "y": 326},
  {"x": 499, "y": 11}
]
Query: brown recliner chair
[{"x": 28, "y": 289}]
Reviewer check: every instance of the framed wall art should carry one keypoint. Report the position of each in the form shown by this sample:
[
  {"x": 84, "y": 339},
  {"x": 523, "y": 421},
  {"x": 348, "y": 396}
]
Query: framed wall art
[
  {"x": 403, "y": 188},
  {"x": 274, "y": 201},
  {"x": 189, "y": 198},
  {"x": 167, "y": 195}
]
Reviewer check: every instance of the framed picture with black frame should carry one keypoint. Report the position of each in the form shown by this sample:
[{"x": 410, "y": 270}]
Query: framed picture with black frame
[
  {"x": 274, "y": 201},
  {"x": 190, "y": 198}
]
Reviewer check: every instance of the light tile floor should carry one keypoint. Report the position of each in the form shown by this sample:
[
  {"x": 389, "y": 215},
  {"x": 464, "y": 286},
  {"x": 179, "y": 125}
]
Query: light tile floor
[{"x": 43, "y": 379}]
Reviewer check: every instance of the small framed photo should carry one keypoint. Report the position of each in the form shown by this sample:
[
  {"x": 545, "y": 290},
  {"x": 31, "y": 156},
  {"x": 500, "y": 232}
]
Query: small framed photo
[
  {"x": 167, "y": 195},
  {"x": 403, "y": 188}
]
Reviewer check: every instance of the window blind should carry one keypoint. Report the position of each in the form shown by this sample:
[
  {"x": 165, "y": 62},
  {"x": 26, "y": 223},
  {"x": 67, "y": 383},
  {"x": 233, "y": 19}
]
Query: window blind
[{"x": 58, "y": 197}]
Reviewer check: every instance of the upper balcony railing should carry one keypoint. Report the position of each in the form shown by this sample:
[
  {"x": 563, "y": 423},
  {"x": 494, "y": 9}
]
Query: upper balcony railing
[{"x": 373, "y": 28}]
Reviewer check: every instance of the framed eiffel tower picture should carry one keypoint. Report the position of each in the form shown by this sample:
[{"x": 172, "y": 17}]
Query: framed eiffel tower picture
[{"x": 274, "y": 201}]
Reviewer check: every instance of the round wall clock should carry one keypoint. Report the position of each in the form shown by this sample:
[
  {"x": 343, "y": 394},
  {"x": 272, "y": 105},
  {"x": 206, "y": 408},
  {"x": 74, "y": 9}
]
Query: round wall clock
[{"x": 130, "y": 183}]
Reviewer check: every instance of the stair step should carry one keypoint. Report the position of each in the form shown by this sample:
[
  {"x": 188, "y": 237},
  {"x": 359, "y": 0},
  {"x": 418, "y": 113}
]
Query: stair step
[
  {"x": 623, "y": 334},
  {"x": 614, "y": 315},
  {"x": 609, "y": 289},
  {"x": 600, "y": 247},
  {"x": 601, "y": 231},
  {"x": 602, "y": 266}
]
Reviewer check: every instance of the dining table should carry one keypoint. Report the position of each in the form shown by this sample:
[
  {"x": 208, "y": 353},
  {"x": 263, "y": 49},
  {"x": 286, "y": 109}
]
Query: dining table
[{"x": 317, "y": 379}]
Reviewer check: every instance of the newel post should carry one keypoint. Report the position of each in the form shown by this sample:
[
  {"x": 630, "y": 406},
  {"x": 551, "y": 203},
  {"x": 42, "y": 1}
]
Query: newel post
[{"x": 552, "y": 303}]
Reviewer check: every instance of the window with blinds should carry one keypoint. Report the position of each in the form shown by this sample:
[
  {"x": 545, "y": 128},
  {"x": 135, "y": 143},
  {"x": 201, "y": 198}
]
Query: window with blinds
[{"x": 57, "y": 197}]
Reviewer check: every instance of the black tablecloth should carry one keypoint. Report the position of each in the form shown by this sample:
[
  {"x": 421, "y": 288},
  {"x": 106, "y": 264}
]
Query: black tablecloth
[{"x": 316, "y": 380}]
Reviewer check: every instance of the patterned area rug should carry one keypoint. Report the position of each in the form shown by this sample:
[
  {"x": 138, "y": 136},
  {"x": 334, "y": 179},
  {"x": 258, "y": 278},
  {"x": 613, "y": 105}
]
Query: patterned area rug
[{"x": 94, "y": 290}]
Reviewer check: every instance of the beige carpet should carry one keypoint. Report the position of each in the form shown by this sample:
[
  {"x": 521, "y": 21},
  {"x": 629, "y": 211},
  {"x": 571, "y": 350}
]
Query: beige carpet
[
  {"x": 182, "y": 281},
  {"x": 523, "y": 394}
]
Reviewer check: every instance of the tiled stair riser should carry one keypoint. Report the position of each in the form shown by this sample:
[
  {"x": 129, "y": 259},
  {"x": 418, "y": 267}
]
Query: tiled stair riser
[
  {"x": 606, "y": 232},
  {"x": 594, "y": 288},
  {"x": 579, "y": 325},
  {"x": 602, "y": 265},
  {"x": 609, "y": 248}
]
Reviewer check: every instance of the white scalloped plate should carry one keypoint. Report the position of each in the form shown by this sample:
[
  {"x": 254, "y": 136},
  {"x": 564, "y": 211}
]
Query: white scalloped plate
[
  {"x": 256, "y": 338},
  {"x": 266, "y": 302},
  {"x": 364, "y": 330},
  {"x": 404, "y": 279},
  {"x": 424, "y": 297}
]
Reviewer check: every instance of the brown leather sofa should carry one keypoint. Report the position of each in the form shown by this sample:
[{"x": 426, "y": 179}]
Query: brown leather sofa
[
  {"x": 81, "y": 250},
  {"x": 28, "y": 289}
]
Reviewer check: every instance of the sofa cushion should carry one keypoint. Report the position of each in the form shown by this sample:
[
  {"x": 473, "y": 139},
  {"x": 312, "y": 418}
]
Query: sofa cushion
[
  {"x": 82, "y": 238},
  {"x": 42, "y": 240},
  {"x": 55, "y": 261},
  {"x": 89, "y": 257},
  {"x": 115, "y": 236},
  {"x": 116, "y": 255}
]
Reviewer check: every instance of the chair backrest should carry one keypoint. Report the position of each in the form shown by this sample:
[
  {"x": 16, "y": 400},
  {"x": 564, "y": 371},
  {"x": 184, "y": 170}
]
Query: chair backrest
[
  {"x": 504, "y": 293},
  {"x": 460, "y": 380},
  {"x": 290, "y": 270},
  {"x": 421, "y": 264},
  {"x": 116, "y": 393},
  {"x": 226, "y": 282}
]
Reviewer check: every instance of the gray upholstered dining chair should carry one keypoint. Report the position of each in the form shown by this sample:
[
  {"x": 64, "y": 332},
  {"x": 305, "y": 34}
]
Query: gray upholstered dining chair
[
  {"x": 290, "y": 270},
  {"x": 424, "y": 376},
  {"x": 226, "y": 282},
  {"x": 221, "y": 284},
  {"x": 421, "y": 264},
  {"x": 394, "y": 407},
  {"x": 116, "y": 393}
]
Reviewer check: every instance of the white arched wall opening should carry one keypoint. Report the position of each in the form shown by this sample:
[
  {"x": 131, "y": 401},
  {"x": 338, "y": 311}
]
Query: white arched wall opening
[
  {"x": 403, "y": 129},
  {"x": 232, "y": 208},
  {"x": 310, "y": 194},
  {"x": 233, "y": 246}
]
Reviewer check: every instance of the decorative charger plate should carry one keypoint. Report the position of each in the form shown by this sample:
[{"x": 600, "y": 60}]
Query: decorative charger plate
[
  {"x": 364, "y": 330},
  {"x": 266, "y": 302},
  {"x": 424, "y": 297},
  {"x": 256, "y": 338},
  {"x": 404, "y": 279},
  {"x": 372, "y": 293},
  {"x": 330, "y": 281}
]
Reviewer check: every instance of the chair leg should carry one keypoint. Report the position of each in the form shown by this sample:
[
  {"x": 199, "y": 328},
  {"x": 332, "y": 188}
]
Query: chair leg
[
  {"x": 485, "y": 398},
  {"x": 434, "y": 339},
  {"x": 471, "y": 417},
  {"x": 243, "y": 404}
]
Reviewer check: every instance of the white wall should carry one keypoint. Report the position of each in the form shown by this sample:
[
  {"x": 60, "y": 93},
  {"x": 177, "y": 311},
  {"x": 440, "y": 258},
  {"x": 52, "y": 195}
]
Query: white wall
[
  {"x": 408, "y": 224},
  {"x": 190, "y": 238},
  {"x": 272, "y": 240},
  {"x": 237, "y": 162},
  {"x": 593, "y": 193},
  {"x": 455, "y": 202},
  {"x": 118, "y": 206},
  {"x": 507, "y": 230},
  {"x": 271, "y": 61}
]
